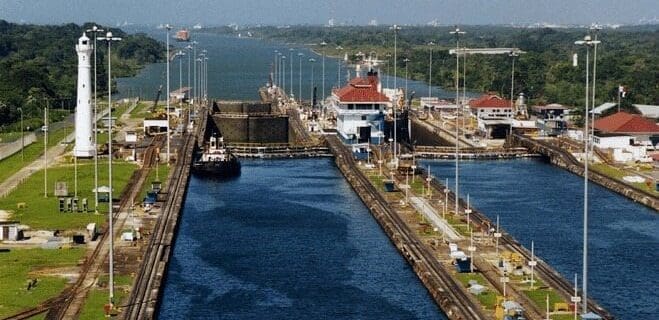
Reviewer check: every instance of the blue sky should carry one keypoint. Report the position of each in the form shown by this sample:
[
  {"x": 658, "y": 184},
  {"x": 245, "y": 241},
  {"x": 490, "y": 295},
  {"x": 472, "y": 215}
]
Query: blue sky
[{"x": 280, "y": 12}]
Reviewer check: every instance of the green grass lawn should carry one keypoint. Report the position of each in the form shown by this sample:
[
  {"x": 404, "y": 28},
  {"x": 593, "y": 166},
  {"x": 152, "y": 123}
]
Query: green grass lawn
[
  {"x": 43, "y": 213},
  {"x": 617, "y": 174},
  {"x": 15, "y": 270},
  {"x": 6, "y": 137},
  {"x": 488, "y": 299},
  {"x": 539, "y": 297},
  {"x": 14, "y": 163},
  {"x": 163, "y": 171},
  {"x": 98, "y": 297},
  {"x": 142, "y": 110}
]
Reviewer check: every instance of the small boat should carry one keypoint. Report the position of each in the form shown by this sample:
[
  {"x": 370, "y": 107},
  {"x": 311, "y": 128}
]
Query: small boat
[{"x": 216, "y": 160}]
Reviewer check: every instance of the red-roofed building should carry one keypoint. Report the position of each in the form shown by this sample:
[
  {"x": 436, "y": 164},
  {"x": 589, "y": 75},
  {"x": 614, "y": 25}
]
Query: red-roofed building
[
  {"x": 359, "y": 107},
  {"x": 491, "y": 106},
  {"x": 625, "y": 123},
  {"x": 494, "y": 114},
  {"x": 641, "y": 131}
]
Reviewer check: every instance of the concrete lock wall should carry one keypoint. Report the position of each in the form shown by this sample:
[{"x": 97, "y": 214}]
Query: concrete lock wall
[
  {"x": 268, "y": 129},
  {"x": 253, "y": 129},
  {"x": 245, "y": 107},
  {"x": 233, "y": 129}
]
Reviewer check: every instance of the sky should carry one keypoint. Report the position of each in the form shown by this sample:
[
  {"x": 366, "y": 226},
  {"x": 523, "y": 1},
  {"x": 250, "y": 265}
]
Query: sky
[{"x": 361, "y": 12}]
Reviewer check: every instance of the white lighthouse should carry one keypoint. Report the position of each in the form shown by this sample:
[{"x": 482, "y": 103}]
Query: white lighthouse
[{"x": 84, "y": 146}]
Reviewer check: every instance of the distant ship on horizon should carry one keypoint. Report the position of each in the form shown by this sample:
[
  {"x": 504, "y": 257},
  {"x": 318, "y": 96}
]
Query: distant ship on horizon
[{"x": 182, "y": 35}]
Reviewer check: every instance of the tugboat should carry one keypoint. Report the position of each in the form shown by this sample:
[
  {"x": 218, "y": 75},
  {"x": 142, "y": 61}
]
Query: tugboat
[{"x": 216, "y": 160}]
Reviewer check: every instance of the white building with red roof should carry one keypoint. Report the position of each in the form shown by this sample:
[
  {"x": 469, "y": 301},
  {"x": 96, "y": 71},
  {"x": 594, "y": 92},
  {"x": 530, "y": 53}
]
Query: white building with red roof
[
  {"x": 359, "y": 108},
  {"x": 494, "y": 114}
]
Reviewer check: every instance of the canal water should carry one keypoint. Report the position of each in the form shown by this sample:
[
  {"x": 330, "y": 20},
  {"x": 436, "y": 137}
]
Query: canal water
[
  {"x": 542, "y": 203},
  {"x": 288, "y": 239},
  {"x": 238, "y": 67}
]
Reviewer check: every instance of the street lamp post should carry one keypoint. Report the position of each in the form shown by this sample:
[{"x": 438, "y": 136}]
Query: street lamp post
[
  {"x": 275, "y": 77},
  {"x": 396, "y": 28},
  {"x": 299, "y": 92},
  {"x": 194, "y": 72},
  {"x": 513, "y": 55},
  {"x": 109, "y": 39},
  {"x": 588, "y": 42},
  {"x": 322, "y": 48},
  {"x": 95, "y": 29},
  {"x": 311, "y": 60},
  {"x": 283, "y": 74},
  {"x": 168, "y": 28},
  {"x": 406, "y": 60},
  {"x": 22, "y": 136},
  {"x": 338, "y": 65},
  {"x": 45, "y": 151},
  {"x": 595, "y": 29},
  {"x": 290, "y": 53},
  {"x": 430, "y": 70},
  {"x": 457, "y": 34}
]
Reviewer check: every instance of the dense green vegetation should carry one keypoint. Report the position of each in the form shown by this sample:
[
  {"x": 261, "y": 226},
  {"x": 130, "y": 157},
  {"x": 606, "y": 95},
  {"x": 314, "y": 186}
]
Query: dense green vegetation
[
  {"x": 38, "y": 65},
  {"x": 626, "y": 56}
]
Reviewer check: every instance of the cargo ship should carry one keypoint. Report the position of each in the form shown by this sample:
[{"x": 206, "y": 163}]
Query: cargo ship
[
  {"x": 182, "y": 35},
  {"x": 216, "y": 161}
]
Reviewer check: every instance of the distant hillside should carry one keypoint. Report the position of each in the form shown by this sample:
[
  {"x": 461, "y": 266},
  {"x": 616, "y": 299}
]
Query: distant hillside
[{"x": 39, "y": 62}]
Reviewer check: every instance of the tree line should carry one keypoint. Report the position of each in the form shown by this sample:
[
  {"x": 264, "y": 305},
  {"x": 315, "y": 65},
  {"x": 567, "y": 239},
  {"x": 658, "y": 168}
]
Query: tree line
[
  {"x": 626, "y": 56},
  {"x": 38, "y": 66}
]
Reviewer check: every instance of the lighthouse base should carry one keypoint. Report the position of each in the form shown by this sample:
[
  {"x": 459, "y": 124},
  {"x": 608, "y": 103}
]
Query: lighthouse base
[{"x": 84, "y": 151}]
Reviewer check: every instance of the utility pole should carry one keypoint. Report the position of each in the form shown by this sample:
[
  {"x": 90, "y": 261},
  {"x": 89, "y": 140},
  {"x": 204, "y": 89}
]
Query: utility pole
[{"x": 457, "y": 34}]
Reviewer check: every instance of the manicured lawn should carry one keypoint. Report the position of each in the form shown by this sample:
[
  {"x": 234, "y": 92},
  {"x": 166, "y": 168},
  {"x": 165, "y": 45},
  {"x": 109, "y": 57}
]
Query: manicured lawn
[
  {"x": 10, "y": 136},
  {"x": 617, "y": 174},
  {"x": 15, "y": 270},
  {"x": 43, "y": 213},
  {"x": 488, "y": 298},
  {"x": 539, "y": 297},
  {"x": 163, "y": 171},
  {"x": 12, "y": 164},
  {"x": 98, "y": 297}
]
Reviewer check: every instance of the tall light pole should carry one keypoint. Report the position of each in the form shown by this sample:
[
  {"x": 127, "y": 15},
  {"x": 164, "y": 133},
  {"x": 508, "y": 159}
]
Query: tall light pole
[
  {"x": 430, "y": 70},
  {"x": 311, "y": 61},
  {"x": 22, "y": 136},
  {"x": 338, "y": 65},
  {"x": 299, "y": 92},
  {"x": 189, "y": 47},
  {"x": 276, "y": 67},
  {"x": 95, "y": 29},
  {"x": 396, "y": 28},
  {"x": 588, "y": 42},
  {"x": 180, "y": 55},
  {"x": 167, "y": 28},
  {"x": 45, "y": 150},
  {"x": 513, "y": 55},
  {"x": 206, "y": 79},
  {"x": 194, "y": 72},
  {"x": 283, "y": 74},
  {"x": 109, "y": 39},
  {"x": 202, "y": 78},
  {"x": 595, "y": 30},
  {"x": 406, "y": 60},
  {"x": 290, "y": 52},
  {"x": 322, "y": 48},
  {"x": 457, "y": 34}
]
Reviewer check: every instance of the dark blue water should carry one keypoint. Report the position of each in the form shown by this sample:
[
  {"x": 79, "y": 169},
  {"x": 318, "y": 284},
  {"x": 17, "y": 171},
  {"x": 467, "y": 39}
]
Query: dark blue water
[
  {"x": 288, "y": 239},
  {"x": 539, "y": 202}
]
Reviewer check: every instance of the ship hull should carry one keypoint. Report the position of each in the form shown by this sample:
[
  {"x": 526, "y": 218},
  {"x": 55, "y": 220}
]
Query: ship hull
[{"x": 216, "y": 169}]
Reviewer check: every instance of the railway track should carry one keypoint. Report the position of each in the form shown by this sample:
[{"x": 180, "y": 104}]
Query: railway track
[
  {"x": 549, "y": 275},
  {"x": 460, "y": 304},
  {"x": 145, "y": 291}
]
